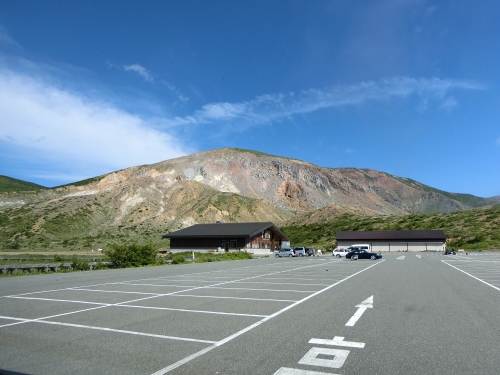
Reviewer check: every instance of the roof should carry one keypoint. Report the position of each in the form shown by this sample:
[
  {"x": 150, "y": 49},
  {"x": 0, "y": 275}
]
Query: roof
[
  {"x": 398, "y": 235},
  {"x": 226, "y": 230}
]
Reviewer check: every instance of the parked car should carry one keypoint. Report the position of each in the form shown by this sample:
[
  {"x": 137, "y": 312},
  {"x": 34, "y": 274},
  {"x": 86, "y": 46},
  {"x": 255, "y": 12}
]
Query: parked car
[
  {"x": 450, "y": 252},
  {"x": 309, "y": 251},
  {"x": 362, "y": 254},
  {"x": 301, "y": 251},
  {"x": 339, "y": 252},
  {"x": 284, "y": 253}
]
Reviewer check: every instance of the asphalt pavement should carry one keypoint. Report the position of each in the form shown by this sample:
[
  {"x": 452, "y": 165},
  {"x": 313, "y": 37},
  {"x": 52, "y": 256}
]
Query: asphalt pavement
[{"x": 409, "y": 313}]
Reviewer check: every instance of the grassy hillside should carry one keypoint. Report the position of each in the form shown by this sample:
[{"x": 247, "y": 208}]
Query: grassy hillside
[
  {"x": 468, "y": 199},
  {"x": 9, "y": 184},
  {"x": 477, "y": 229},
  {"x": 89, "y": 222}
]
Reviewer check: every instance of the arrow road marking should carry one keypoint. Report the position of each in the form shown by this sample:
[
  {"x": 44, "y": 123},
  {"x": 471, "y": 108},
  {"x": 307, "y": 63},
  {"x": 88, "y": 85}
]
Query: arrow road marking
[{"x": 366, "y": 304}]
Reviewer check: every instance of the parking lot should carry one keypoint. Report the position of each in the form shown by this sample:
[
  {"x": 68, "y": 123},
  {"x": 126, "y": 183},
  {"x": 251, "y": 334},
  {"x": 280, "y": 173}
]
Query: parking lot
[
  {"x": 484, "y": 268},
  {"x": 177, "y": 319}
]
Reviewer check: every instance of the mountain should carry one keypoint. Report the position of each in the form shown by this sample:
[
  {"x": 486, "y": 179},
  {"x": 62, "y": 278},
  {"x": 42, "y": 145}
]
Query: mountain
[
  {"x": 138, "y": 204},
  {"x": 8, "y": 184}
]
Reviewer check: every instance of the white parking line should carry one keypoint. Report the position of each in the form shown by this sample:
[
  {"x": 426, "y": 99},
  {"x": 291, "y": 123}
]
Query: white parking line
[
  {"x": 244, "y": 298},
  {"x": 194, "y": 311},
  {"x": 61, "y": 300},
  {"x": 108, "y": 330},
  {"x": 262, "y": 289},
  {"x": 474, "y": 277},
  {"x": 239, "y": 333},
  {"x": 274, "y": 283},
  {"x": 116, "y": 291}
]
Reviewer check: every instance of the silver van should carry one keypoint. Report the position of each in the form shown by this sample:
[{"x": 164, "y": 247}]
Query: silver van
[{"x": 284, "y": 253}]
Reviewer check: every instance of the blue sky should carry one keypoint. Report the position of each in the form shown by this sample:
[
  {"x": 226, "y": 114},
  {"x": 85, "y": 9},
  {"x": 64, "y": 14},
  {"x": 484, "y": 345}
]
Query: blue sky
[{"x": 408, "y": 87}]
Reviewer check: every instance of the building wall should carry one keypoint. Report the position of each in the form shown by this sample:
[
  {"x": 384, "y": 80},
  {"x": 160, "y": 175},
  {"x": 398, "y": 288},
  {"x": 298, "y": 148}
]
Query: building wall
[
  {"x": 256, "y": 244},
  {"x": 212, "y": 244},
  {"x": 395, "y": 246}
]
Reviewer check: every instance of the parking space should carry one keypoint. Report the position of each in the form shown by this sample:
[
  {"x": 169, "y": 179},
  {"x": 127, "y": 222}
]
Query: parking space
[
  {"x": 186, "y": 314},
  {"x": 484, "y": 267}
]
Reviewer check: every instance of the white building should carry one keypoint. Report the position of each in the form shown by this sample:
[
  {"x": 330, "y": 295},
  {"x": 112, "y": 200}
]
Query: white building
[{"x": 395, "y": 240}]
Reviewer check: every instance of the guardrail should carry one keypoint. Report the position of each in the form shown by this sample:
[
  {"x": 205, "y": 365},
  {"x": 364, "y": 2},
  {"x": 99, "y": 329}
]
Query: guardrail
[
  {"x": 42, "y": 267},
  {"x": 52, "y": 259}
]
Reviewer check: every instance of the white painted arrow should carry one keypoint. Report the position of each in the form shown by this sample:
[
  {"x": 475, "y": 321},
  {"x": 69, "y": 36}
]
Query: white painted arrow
[{"x": 366, "y": 304}]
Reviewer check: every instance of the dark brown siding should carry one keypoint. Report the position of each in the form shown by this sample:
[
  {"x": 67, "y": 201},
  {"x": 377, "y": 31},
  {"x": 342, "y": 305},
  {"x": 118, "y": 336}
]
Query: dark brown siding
[{"x": 203, "y": 243}]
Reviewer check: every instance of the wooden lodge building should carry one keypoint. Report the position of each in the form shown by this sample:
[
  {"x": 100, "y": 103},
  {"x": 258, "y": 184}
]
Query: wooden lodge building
[{"x": 260, "y": 237}]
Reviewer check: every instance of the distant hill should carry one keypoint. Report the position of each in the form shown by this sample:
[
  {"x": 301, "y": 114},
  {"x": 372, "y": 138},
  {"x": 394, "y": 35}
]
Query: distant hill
[
  {"x": 474, "y": 229},
  {"x": 139, "y": 204},
  {"x": 9, "y": 184}
]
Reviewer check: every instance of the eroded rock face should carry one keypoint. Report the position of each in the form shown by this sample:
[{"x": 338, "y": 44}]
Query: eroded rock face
[
  {"x": 300, "y": 186},
  {"x": 293, "y": 194}
]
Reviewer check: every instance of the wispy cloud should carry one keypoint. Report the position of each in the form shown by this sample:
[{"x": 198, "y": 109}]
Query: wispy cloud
[
  {"x": 181, "y": 98},
  {"x": 276, "y": 107},
  {"x": 6, "y": 39},
  {"x": 149, "y": 77},
  {"x": 140, "y": 70}
]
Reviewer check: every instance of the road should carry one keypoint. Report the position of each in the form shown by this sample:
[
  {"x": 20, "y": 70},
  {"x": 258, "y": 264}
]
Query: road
[{"x": 409, "y": 313}]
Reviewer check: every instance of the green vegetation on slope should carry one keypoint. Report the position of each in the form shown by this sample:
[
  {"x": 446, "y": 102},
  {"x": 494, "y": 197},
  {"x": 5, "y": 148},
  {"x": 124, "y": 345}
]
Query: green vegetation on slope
[
  {"x": 472, "y": 229},
  {"x": 468, "y": 199},
  {"x": 9, "y": 184},
  {"x": 84, "y": 182}
]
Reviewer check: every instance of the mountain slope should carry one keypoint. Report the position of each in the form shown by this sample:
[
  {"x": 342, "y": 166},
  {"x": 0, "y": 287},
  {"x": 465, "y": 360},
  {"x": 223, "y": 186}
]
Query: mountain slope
[{"x": 9, "y": 184}]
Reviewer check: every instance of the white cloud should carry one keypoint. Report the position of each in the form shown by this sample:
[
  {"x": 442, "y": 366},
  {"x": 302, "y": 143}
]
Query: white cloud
[
  {"x": 275, "y": 107},
  {"x": 68, "y": 128},
  {"x": 139, "y": 69}
]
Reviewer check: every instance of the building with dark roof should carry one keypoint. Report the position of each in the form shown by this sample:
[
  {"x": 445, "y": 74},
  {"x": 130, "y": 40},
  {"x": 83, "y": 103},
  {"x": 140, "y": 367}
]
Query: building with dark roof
[
  {"x": 395, "y": 240},
  {"x": 260, "y": 237}
]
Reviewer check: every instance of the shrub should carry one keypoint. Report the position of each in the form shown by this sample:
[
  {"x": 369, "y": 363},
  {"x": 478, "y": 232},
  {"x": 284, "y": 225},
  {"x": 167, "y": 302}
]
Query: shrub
[
  {"x": 59, "y": 258},
  {"x": 178, "y": 259},
  {"x": 133, "y": 255},
  {"x": 80, "y": 265},
  {"x": 14, "y": 245},
  {"x": 99, "y": 265},
  {"x": 233, "y": 255}
]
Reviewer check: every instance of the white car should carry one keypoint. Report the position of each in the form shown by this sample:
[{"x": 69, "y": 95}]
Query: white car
[{"x": 339, "y": 252}]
